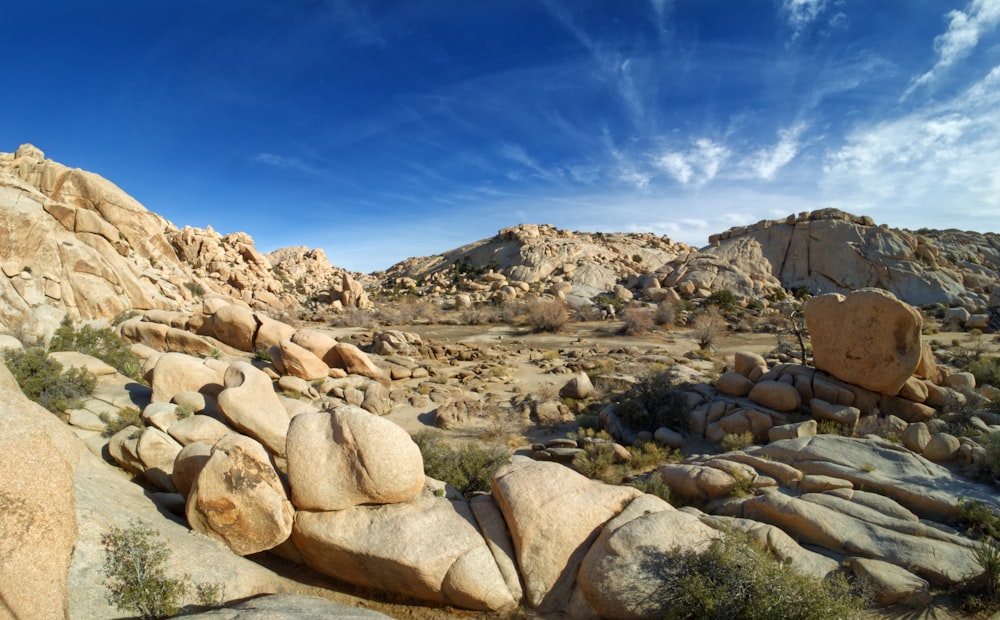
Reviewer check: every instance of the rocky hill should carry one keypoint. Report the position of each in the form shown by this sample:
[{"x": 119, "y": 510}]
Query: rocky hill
[
  {"x": 73, "y": 243},
  {"x": 827, "y": 251}
]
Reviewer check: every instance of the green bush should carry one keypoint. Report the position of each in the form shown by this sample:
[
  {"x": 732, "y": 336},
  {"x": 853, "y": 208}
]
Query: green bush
[
  {"x": 195, "y": 287},
  {"x": 735, "y": 578},
  {"x": 986, "y": 371},
  {"x": 103, "y": 344},
  {"x": 653, "y": 402},
  {"x": 724, "y": 298},
  {"x": 134, "y": 565},
  {"x": 42, "y": 379},
  {"x": 469, "y": 468}
]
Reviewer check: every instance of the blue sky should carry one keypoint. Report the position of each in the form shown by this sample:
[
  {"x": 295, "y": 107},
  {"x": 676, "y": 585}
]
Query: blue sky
[{"x": 379, "y": 130}]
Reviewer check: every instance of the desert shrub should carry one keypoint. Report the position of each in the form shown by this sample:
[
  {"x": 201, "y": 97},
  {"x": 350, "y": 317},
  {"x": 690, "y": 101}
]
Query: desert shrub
[
  {"x": 991, "y": 459},
  {"x": 652, "y": 484},
  {"x": 736, "y": 578},
  {"x": 723, "y": 298},
  {"x": 355, "y": 317},
  {"x": 832, "y": 427},
  {"x": 598, "y": 462},
  {"x": 978, "y": 519},
  {"x": 651, "y": 403},
  {"x": 802, "y": 292},
  {"x": 666, "y": 313},
  {"x": 546, "y": 315},
  {"x": 42, "y": 379},
  {"x": 137, "y": 580},
  {"x": 128, "y": 416},
  {"x": 195, "y": 287},
  {"x": 469, "y": 468},
  {"x": 638, "y": 321},
  {"x": 733, "y": 441},
  {"x": 104, "y": 344},
  {"x": 986, "y": 371},
  {"x": 708, "y": 328}
]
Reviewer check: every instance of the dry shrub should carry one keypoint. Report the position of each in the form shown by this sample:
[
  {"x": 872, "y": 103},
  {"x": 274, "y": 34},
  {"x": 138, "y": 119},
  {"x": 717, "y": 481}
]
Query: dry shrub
[
  {"x": 709, "y": 326},
  {"x": 638, "y": 321},
  {"x": 546, "y": 315},
  {"x": 666, "y": 313}
]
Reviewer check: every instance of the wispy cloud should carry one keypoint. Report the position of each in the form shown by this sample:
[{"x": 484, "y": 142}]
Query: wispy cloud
[
  {"x": 801, "y": 14},
  {"x": 288, "y": 163},
  {"x": 942, "y": 153},
  {"x": 766, "y": 163},
  {"x": 964, "y": 31},
  {"x": 697, "y": 165}
]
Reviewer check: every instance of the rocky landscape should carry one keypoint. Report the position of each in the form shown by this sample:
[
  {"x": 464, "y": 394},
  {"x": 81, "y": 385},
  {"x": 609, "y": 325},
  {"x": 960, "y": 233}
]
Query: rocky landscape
[{"x": 820, "y": 383}]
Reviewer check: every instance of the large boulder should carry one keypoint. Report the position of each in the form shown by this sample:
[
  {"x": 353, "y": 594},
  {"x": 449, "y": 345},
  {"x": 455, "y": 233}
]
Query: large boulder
[
  {"x": 349, "y": 457},
  {"x": 868, "y": 338},
  {"x": 233, "y": 325},
  {"x": 38, "y": 528},
  {"x": 428, "y": 549},
  {"x": 176, "y": 372},
  {"x": 250, "y": 404},
  {"x": 356, "y": 362},
  {"x": 238, "y": 498},
  {"x": 301, "y": 362},
  {"x": 554, "y": 515},
  {"x": 624, "y": 570}
]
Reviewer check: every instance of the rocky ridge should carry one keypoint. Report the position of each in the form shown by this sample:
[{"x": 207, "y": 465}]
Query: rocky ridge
[
  {"x": 73, "y": 244},
  {"x": 825, "y": 251}
]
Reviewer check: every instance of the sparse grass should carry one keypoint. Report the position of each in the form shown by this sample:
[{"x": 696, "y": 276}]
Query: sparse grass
[
  {"x": 129, "y": 416},
  {"x": 733, "y": 442}
]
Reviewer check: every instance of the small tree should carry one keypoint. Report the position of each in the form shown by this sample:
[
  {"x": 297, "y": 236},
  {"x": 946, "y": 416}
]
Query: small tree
[{"x": 137, "y": 580}]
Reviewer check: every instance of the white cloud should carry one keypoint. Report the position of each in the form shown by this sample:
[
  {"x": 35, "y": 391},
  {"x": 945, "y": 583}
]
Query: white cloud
[
  {"x": 801, "y": 14},
  {"x": 765, "y": 163},
  {"x": 940, "y": 158},
  {"x": 697, "y": 165},
  {"x": 964, "y": 30}
]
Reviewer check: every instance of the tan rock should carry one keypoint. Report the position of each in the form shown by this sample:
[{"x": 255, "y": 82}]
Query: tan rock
[
  {"x": 744, "y": 362},
  {"x": 198, "y": 429},
  {"x": 188, "y": 464},
  {"x": 891, "y": 584},
  {"x": 321, "y": 345},
  {"x": 427, "y": 549},
  {"x": 349, "y": 457},
  {"x": 776, "y": 395},
  {"x": 157, "y": 451},
  {"x": 38, "y": 527},
  {"x": 619, "y": 576},
  {"x": 578, "y": 387},
  {"x": 941, "y": 447},
  {"x": 822, "y": 410},
  {"x": 498, "y": 539},
  {"x": 177, "y": 372},
  {"x": 733, "y": 384},
  {"x": 233, "y": 325},
  {"x": 554, "y": 515},
  {"x": 916, "y": 437},
  {"x": 250, "y": 405},
  {"x": 300, "y": 362},
  {"x": 356, "y": 362},
  {"x": 792, "y": 431},
  {"x": 868, "y": 338},
  {"x": 271, "y": 332},
  {"x": 238, "y": 498}
]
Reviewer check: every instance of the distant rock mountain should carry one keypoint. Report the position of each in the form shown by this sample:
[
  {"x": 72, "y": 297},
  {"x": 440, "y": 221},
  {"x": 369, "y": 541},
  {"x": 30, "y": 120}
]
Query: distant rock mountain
[
  {"x": 826, "y": 250},
  {"x": 542, "y": 254},
  {"x": 74, "y": 244}
]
